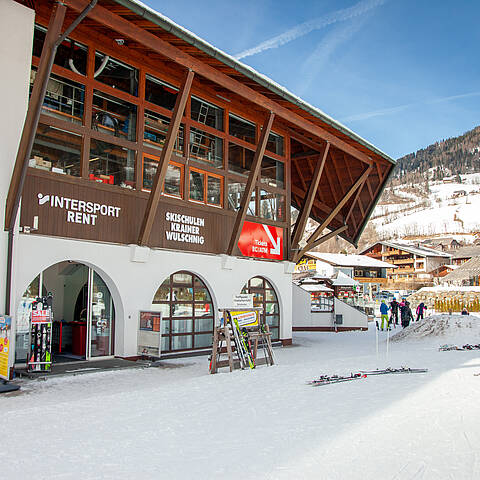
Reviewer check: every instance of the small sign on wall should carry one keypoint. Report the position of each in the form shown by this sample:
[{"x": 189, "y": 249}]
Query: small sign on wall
[{"x": 243, "y": 300}]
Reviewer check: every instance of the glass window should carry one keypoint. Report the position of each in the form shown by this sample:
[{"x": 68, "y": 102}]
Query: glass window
[
  {"x": 214, "y": 190},
  {"x": 181, "y": 342},
  {"x": 275, "y": 143},
  {"x": 266, "y": 298},
  {"x": 187, "y": 310},
  {"x": 155, "y": 133},
  {"x": 235, "y": 194},
  {"x": 203, "y": 340},
  {"x": 114, "y": 116},
  {"x": 240, "y": 128},
  {"x": 206, "y": 148},
  {"x": 206, "y": 188},
  {"x": 197, "y": 186},
  {"x": 116, "y": 73},
  {"x": 160, "y": 93},
  {"x": 70, "y": 54},
  {"x": 272, "y": 172},
  {"x": 272, "y": 206},
  {"x": 173, "y": 184},
  {"x": 56, "y": 151},
  {"x": 239, "y": 159},
  {"x": 111, "y": 164},
  {"x": 206, "y": 113},
  {"x": 63, "y": 99}
]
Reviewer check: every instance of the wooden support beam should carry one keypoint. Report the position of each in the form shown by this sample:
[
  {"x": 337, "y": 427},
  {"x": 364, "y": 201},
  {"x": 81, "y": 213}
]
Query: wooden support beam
[
  {"x": 128, "y": 29},
  {"x": 370, "y": 189},
  {"x": 301, "y": 223},
  {"x": 317, "y": 203},
  {"x": 33, "y": 113},
  {"x": 357, "y": 196},
  {"x": 321, "y": 240},
  {"x": 355, "y": 200},
  {"x": 340, "y": 205},
  {"x": 300, "y": 176},
  {"x": 252, "y": 179},
  {"x": 317, "y": 145},
  {"x": 165, "y": 156},
  {"x": 330, "y": 185}
]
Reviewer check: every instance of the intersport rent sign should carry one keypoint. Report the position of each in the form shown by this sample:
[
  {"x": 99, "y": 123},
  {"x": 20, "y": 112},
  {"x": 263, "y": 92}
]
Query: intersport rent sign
[{"x": 261, "y": 241}]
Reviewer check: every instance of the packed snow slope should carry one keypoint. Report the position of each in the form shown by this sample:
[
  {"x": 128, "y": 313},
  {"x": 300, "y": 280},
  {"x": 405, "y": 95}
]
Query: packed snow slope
[
  {"x": 456, "y": 328},
  {"x": 182, "y": 423}
]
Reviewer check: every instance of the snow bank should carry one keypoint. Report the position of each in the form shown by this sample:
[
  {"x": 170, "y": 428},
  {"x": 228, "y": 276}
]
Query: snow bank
[{"x": 449, "y": 328}]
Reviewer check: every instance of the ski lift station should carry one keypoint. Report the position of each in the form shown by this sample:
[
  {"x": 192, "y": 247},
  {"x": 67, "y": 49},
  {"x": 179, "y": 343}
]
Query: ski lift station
[{"x": 146, "y": 172}]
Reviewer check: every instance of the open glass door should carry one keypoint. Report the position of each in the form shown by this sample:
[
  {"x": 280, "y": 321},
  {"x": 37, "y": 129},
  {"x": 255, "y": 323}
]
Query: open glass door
[{"x": 101, "y": 315}]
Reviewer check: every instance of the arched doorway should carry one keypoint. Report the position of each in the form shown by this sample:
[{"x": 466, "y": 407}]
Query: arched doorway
[
  {"x": 264, "y": 296},
  {"x": 83, "y": 313},
  {"x": 187, "y": 312}
]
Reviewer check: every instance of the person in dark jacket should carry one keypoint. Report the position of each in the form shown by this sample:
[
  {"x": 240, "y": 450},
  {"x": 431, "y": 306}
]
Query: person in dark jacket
[
  {"x": 420, "y": 310},
  {"x": 464, "y": 310},
  {"x": 405, "y": 314},
  {"x": 394, "y": 309}
]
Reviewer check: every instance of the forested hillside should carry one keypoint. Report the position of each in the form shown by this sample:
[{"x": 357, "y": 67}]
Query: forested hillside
[{"x": 450, "y": 157}]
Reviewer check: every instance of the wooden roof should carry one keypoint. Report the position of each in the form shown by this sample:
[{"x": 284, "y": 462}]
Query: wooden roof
[{"x": 155, "y": 37}]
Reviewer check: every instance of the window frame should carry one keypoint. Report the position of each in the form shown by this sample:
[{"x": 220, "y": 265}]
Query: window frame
[
  {"x": 206, "y": 174},
  {"x": 175, "y": 164}
]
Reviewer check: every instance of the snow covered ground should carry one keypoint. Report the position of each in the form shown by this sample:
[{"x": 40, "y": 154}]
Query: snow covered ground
[
  {"x": 182, "y": 423},
  {"x": 444, "y": 210}
]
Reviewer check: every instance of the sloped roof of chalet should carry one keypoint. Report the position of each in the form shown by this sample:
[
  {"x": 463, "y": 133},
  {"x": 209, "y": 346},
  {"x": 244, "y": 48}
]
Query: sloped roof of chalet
[
  {"x": 468, "y": 251},
  {"x": 343, "y": 280},
  {"x": 469, "y": 269},
  {"x": 343, "y": 260},
  {"x": 350, "y": 157},
  {"x": 414, "y": 249}
]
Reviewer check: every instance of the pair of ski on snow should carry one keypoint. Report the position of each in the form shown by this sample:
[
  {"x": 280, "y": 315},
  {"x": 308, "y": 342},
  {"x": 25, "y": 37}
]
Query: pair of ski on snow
[
  {"x": 328, "y": 379},
  {"x": 447, "y": 347}
]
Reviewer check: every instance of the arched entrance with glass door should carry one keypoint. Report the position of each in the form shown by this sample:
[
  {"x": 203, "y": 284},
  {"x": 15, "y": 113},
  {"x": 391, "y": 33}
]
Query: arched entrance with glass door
[
  {"x": 83, "y": 313},
  {"x": 264, "y": 296},
  {"x": 187, "y": 312}
]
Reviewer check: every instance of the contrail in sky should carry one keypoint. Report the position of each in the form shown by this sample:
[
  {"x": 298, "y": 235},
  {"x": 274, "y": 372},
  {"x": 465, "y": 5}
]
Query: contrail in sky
[
  {"x": 316, "y": 61},
  {"x": 400, "y": 108},
  {"x": 315, "y": 24}
]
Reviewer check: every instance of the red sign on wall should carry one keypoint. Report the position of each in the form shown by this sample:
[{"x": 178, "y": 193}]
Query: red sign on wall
[{"x": 261, "y": 241}]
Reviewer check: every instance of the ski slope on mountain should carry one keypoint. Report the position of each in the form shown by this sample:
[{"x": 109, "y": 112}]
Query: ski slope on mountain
[
  {"x": 183, "y": 423},
  {"x": 447, "y": 208}
]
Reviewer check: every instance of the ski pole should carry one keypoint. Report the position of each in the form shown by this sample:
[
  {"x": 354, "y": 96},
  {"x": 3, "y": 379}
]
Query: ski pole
[{"x": 388, "y": 342}]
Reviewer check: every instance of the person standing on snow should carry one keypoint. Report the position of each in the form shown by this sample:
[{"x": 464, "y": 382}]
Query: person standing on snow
[
  {"x": 384, "y": 314},
  {"x": 420, "y": 309},
  {"x": 394, "y": 308},
  {"x": 405, "y": 313}
]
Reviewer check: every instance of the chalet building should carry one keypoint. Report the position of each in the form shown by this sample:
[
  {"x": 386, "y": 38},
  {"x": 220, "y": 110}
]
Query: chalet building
[
  {"x": 442, "y": 244},
  {"x": 465, "y": 275},
  {"x": 463, "y": 254},
  {"x": 370, "y": 273},
  {"x": 144, "y": 170},
  {"x": 414, "y": 263}
]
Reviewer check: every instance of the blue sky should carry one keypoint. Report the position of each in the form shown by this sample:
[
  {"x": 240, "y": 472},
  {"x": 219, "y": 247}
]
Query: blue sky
[{"x": 400, "y": 73}]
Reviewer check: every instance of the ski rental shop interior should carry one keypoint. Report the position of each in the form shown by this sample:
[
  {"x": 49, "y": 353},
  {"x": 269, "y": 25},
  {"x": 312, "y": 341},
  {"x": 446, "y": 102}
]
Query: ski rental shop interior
[{"x": 161, "y": 178}]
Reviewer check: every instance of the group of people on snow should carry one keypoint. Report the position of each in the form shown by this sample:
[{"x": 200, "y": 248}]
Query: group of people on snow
[{"x": 403, "y": 307}]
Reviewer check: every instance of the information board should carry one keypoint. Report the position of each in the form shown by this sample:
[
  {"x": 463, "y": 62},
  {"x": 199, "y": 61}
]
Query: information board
[{"x": 5, "y": 342}]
